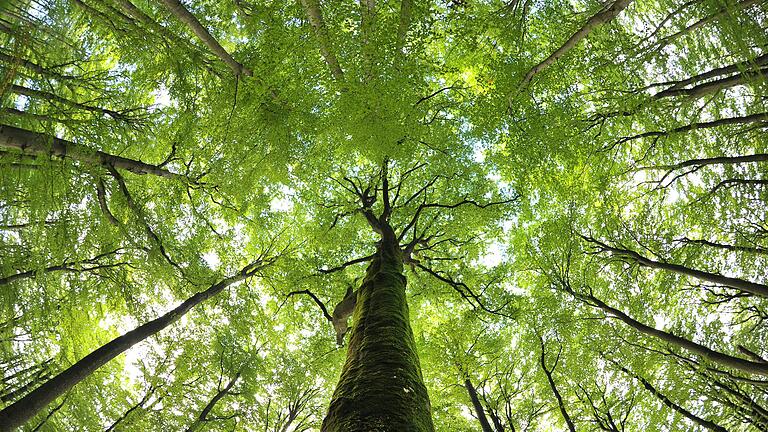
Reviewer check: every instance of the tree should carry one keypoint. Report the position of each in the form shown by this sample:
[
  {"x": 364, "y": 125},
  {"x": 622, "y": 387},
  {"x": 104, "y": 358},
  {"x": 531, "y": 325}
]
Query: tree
[{"x": 444, "y": 215}]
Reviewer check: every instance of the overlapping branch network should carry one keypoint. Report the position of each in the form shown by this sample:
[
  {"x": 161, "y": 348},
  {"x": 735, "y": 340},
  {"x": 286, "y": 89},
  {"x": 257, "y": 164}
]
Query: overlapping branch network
[{"x": 421, "y": 237}]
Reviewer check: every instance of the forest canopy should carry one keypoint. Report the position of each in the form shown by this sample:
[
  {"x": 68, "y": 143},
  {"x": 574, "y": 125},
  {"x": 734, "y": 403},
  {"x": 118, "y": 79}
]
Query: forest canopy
[{"x": 457, "y": 215}]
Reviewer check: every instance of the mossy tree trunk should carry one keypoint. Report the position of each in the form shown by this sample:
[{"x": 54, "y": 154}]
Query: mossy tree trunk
[{"x": 381, "y": 387}]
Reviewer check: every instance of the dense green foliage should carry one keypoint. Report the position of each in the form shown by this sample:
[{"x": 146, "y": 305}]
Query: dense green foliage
[{"x": 591, "y": 230}]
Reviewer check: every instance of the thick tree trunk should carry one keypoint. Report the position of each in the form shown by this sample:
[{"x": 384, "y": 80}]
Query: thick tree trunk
[
  {"x": 25, "y": 408},
  {"x": 381, "y": 387},
  {"x": 479, "y": 411}
]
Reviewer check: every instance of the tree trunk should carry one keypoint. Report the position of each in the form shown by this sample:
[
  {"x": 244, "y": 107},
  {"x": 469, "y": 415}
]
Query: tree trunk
[
  {"x": 35, "y": 143},
  {"x": 381, "y": 387},
  {"x": 39, "y": 94},
  {"x": 601, "y": 17},
  {"x": 735, "y": 283},
  {"x": 203, "y": 416},
  {"x": 709, "y": 354},
  {"x": 312, "y": 8},
  {"x": 553, "y": 387},
  {"x": 725, "y": 70},
  {"x": 183, "y": 15},
  {"x": 478, "y": 406},
  {"x": 666, "y": 401},
  {"x": 25, "y": 408},
  {"x": 706, "y": 20},
  {"x": 715, "y": 86},
  {"x": 728, "y": 247}
]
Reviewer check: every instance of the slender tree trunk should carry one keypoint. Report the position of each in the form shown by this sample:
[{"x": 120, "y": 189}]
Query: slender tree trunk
[
  {"x": 719, "y": 160},
  {"x": 737, "y": 363},
  {"x": 602, "y": 17},
  {"x": 715, "y": 86},
  {"x": 128, "y": 412},
  {"x": 312, "y": 9},
  {"x": 381, "y": 387},
  {"x": 706, "y": 20},
  {"x": 404, "y": 22},
  {"x": 478, "y": 406},
  {"x": 25, "y": 408},
  {"x": 728, "y": 247},
  {"x": 725, "y": 70},
  {"x": 34, "y": 67},
  {"x": 39, "y": 94},
  {"x": 133, "y": 12},
  {"x": 211, "y": 404},
  {"x": 736, "y": 283},
  {"x": 666, "y": 401},
  {"x": 753, "y": 118},
  {"x": 65, "y": 267},
  {"x": 555, "y": 391},
  {"x": 183, "y": 15},
  {"x": 40, "y": 144}
]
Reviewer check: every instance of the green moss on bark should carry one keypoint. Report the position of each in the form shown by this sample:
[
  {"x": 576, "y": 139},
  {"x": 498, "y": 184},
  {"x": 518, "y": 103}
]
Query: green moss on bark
[{"x": 381, "y": 387}]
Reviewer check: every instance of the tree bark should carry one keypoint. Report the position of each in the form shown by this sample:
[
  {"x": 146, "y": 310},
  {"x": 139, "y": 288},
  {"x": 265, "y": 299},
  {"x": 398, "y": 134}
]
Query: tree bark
[
  {"x": 404, "y": 22},
  {"x": 132, "y": 11},
  {"x": 36, "y": 143},
  {"x": 479, "y": 411},
  {"x": 747, "y": 65},
  {"x": 752, "y": 118},
  {"x": 71, "y": 266},
  {"x": 178, "y": 10},
  {"x": 133, "y": 408},
  {"x": 663, "y": 42},
  {"x": 381, "y": 387},
  {"x": 25, "y": 408},
  {"x": 7, "y": 58},
  {"x": 728, "y": 247},
  {"x": 710, "y": 87}
]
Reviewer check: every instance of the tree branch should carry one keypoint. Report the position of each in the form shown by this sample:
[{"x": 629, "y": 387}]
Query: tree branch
[
  {"x": 465, "y": 292},
  {"x": 314, "y": 298},
  {"x": 753, "y": 118},
  {"x": 347, "y": 264}
]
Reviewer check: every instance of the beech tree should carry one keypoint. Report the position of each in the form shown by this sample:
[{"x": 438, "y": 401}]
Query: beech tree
[{"x": 396, "y": 216}]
